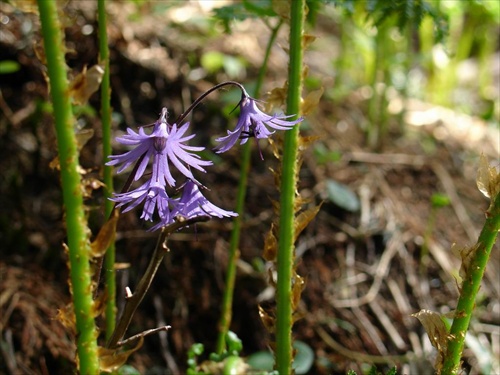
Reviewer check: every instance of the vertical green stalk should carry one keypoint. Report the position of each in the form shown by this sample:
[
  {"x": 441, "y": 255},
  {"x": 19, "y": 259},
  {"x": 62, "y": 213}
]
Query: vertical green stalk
[
  {"x": 77, "y": 231},
  {"x": 470, "y": 288},
  {"x": 109, "y": 261},
  {"x": 284, "y": 319},
  {"x": 227, "y": 300}
]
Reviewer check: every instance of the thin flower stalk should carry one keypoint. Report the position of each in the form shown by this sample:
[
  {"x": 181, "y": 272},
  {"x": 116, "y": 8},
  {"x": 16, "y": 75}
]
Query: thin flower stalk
[
  {"x": 285, "y": 256},
  {"x": 77, "y": 231},
  {"x": 133, "y": 300},
  {"x": 469, "y": 289},
  {"x": 234, "y": 242},
  {"x": 109, "y": 261}
]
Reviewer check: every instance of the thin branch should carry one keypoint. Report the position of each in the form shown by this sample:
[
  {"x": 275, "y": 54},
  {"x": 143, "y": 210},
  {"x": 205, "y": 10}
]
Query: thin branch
[
  {"x": 141, "y": 335},
  {"x": 135, "y": 299}
]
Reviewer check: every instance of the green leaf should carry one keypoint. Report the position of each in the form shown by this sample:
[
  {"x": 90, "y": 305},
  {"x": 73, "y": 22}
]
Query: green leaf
[
  {"x": 263, "y": 360},
  {"x": 212, "y": 61},
  {"x": 226, "y": 14},
  {"x": 9, "y": 66},
  {"x": 323, "y": 155},
  {"x": 304, "y": 358},
  {"x": 234, "y": 344},
  {"x": 440, "y": 200},
  {"x": 128, "y": 370},
  {"x": 342, "y": 196}
]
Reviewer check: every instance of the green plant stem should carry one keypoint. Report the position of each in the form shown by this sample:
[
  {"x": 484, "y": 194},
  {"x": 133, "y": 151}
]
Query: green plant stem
[
  {"x": 227, "y": 300},
  {"x": 109, "y": 260},
  {"x": 289, "y": 175},
  {"x": 470, "y": 288},
  {"x": 76, "y": 227}
]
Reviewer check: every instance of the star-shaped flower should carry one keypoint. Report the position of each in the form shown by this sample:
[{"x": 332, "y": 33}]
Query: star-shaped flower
[
  {"x": 166, "y": 144},
  {"x": 191, "y": 204},
  {"x": 253, "y": 123}
]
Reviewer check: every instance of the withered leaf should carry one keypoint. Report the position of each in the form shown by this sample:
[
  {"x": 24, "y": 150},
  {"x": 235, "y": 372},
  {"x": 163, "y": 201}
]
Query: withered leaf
[
  {"x": 270, "y": 246},
  {"x": 305, "y": 142},
  {"x": 303, "y": 219},
  {"x": 112, "y": 359},
  {"x": 66, "y": 316},
  {"x": 466, "y": 254},
  {"x": 488, "y": 178},
  {"x": 90, "y": 184},
  {"x": 437, "y": 332},
  {"x": 299, "y": 284},
  {"x": 311, "y": 101},
  {"x": 307, "y": 40},
  {"x": 268, "y": 321},
  {"x": 276, "y": 97},
  {"x": 83, "y": 136},
  {"x": 86, "y": 83},
  {"x": 105, "y": 237}
]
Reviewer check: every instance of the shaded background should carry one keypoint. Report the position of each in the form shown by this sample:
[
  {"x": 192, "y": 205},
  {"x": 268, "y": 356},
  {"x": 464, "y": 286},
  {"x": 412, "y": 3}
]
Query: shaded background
[{"x": 401, "y": 124}]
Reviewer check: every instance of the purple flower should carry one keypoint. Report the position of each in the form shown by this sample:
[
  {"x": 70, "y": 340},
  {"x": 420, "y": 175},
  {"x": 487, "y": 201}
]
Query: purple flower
[
  {"x": 166, "y": 144},
  {"x": 253, "y": 123},
  {"x": 154, "y": 197},
  {"x": 192, "y": 204}
]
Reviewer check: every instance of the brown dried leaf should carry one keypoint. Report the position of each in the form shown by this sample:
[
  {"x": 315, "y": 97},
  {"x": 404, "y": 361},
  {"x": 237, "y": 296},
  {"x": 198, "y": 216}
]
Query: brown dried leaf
[
  {"x": 83, "y": 136},
  {"x": 437, "y": 333},
  {"x": 299, "y": 284},
  {"x": 307, "y": 40},
  {"x": 86, "y": 83},
  {"x": 276, "y": 97},
  {"x": 311, "y": 101},
  {"x": 466, "y": 254},
  {"x": 488, "y": 178},
  {"x": 268, "y": 321},
  {"x": 270, "y": 246},
  {"x": 99, "y": 304},
  {"x": 305, "y": 142},
  {"x": 112, "y": 359},
  {"x": 303, "y": 219},
  {"x": 67, "y": 317},
  {"x": 90, "y": 184},
  {"x": 298, "y": 315},
  {"x": 105, "y": 237}
]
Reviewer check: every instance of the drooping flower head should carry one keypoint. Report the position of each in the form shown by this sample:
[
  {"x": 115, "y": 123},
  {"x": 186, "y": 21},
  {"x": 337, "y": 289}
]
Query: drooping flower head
[
  {"x": 166, "y": 146},
  {"x": 191, "y": 204},
  {"x": 253, "y": 123}
]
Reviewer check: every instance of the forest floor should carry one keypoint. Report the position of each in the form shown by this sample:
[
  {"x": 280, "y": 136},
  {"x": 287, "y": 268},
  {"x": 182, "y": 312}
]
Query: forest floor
[{"x": 367, "y": 269}]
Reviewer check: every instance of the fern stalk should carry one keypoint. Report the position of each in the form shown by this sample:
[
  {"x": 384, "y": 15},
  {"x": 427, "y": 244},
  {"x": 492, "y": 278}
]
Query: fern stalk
[
  {"x": 227, "y": 299},
  {"x": 470, "y": 288},
  {"x": 76, "y": 226},
  {"x": 286, "y": 253},
  {"x": 109, "y": 261}
]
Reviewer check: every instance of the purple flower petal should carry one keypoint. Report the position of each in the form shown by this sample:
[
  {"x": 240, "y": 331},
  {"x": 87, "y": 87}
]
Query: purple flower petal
[{"x": 253, "y": 123}]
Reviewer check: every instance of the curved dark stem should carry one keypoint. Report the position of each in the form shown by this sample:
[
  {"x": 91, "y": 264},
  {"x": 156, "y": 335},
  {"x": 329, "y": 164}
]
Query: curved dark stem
[
  {"x": 133, "y": 301},
  {"x": 205, "y": 94}
]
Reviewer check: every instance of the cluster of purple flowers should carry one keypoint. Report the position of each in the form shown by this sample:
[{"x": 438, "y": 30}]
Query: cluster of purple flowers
[{"x": 167, "y": 146}]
